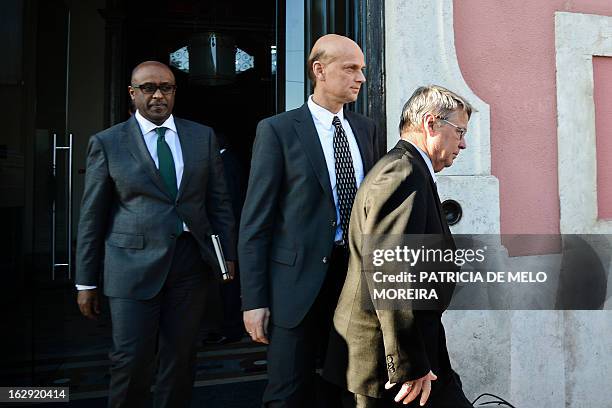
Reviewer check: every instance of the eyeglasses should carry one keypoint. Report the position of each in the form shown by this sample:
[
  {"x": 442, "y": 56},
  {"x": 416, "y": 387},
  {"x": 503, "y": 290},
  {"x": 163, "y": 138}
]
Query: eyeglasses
[
  {"x": 460, "y": 131},
  {"x": 149, "y": 88}
]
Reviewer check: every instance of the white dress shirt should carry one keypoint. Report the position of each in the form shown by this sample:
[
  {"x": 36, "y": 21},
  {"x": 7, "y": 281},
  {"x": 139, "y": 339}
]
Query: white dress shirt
[
  {"x": 150, "y": 138},
  {"x": 427, "y": 161},
  {"x": 323, "y": 123}
]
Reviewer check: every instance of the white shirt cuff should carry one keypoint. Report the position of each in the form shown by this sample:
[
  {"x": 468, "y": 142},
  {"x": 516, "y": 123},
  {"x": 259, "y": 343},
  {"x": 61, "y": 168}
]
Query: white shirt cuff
[{"x": 85, "y": 287}]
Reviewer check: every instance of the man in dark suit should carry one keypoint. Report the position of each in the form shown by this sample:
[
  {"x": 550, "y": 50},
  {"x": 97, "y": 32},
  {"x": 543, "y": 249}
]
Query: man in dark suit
[
  {"x": 154, "y": 194},
  {"x": 307, "y": 165},
  {"x": 402, "y": 351}
]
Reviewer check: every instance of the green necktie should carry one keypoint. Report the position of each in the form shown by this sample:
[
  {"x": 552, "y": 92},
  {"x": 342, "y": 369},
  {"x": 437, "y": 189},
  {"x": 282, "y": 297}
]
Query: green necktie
[
  {"x": 166, "y": 168},
  {"x": 166, "y": 163}
]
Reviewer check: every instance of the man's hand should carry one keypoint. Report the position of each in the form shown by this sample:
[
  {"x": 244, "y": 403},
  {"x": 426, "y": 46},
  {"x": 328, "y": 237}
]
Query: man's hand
[
  {"x": 231, "y": 270},
  {"x": 89, "y": 303},
  {"x": 256, "y": 324},
  {"x": 411, "y": 389}
]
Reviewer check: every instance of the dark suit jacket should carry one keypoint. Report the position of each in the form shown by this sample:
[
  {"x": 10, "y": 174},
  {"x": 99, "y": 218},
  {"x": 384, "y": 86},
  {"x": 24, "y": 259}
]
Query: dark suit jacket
[
  {"x": 368, "y": 347},
  {"x": 129, "y": 221},
  {"x": 289, "y": 218}
]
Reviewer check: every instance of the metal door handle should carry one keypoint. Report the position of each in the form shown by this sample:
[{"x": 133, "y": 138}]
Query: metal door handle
[{"x": 69, "y": 209}]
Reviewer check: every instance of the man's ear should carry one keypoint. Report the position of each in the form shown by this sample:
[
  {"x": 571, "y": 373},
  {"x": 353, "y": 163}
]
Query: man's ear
[
  {"x": 131, "y": 92},
  {"x": 428, "y": 123},
  {"x": 319, "y": 70}
]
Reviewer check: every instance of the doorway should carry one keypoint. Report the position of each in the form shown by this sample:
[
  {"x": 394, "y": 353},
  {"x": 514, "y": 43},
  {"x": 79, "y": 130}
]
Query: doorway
[{"x": 70, "y": 63}]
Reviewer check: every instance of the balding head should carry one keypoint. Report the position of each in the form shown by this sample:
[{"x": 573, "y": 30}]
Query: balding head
[
  {"x": 336, "y": 66},
  {"x": 328, "y": 48}
]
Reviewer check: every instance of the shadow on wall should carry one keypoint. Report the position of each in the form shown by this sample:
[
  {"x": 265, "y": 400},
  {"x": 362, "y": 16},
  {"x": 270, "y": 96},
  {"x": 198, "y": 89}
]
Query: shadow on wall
[{"x": 583, "y": 281}]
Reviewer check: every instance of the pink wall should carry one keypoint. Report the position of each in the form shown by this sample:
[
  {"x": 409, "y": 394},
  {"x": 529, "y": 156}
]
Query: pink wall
[
  {"x": 506, "y": 52},
  {"x": 602, "y": 76}
]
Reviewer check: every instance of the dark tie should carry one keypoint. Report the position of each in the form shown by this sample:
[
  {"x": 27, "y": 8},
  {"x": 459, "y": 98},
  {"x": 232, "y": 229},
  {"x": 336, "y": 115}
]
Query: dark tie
[
  {"x": 345, "y": 176},
  {"x": 166, "y": 163},
  {"x": 166, "y": 167}
]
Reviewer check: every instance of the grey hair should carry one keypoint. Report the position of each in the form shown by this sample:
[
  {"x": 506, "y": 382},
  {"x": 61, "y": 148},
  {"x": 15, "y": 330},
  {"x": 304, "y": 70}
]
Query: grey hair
[{"x": 433, "y": 99}]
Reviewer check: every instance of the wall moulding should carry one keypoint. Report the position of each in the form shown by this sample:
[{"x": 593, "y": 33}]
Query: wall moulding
[
  {"x": 421, "y": 54},
  {"x": 579, "y": 37}
]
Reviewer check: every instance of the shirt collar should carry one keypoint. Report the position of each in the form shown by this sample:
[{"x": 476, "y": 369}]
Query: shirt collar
[
  {"x": 321, "y": 114},
  {"x": 427, "y": 161},
  {"x": 147, "y": 126}
]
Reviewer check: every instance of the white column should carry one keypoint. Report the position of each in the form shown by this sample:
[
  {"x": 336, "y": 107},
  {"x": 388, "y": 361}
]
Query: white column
[{"x": 420, "y": 50}]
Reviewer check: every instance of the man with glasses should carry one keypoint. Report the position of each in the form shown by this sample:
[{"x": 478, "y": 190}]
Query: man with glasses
[
  {"x": 154, "y": 194},
  {"x": 399, "y": 354}
]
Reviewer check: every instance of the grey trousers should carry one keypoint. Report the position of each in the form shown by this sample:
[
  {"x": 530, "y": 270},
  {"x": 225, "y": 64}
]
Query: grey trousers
[
  {"x": 159, "y": 333},
  {"x": 292, "y": 353}
]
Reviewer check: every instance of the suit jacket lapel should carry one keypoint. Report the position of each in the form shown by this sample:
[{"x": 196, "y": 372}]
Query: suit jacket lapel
[
  {"x": 185, "y": 139},
  {"x": 361, "y": 135},
  {"x": 307, "y": 133},
  {"x": 137, "y": 147},
  {"x": 441, "y": 215}
]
